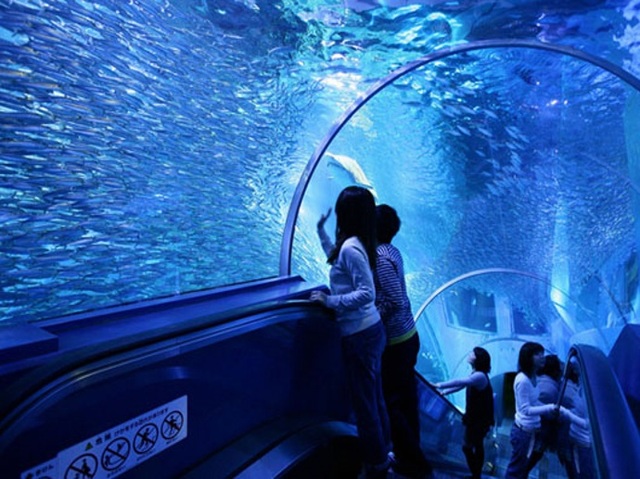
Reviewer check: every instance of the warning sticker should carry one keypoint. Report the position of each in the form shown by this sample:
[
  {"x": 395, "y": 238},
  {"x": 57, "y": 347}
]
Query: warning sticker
[
  {"x": 112, "y": 452},
  {"x": 47, "y": 470}
]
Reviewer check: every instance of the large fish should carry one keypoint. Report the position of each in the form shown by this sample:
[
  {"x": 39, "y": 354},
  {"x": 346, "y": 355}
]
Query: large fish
[{"x": 352, "y": 169}]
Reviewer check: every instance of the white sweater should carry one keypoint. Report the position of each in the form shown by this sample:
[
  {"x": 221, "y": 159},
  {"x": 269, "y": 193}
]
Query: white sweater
[
  {"x": 528, "y": 406},
  {"x": 353, "y": 292}
]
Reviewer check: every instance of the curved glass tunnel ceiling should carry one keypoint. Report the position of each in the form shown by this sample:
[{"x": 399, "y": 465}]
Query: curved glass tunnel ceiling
[
  {"x": 516, "y": 174},
  {"x": 124, "y": 179}
]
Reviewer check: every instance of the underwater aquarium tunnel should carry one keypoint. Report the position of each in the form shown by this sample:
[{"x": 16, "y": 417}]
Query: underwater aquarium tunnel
[
  {"x": 162, "y": 169},
  {"x": 507, "y": 196}
]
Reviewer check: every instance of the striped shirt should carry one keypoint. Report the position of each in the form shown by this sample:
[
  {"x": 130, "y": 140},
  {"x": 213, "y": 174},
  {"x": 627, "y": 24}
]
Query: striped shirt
[{"x": 391, "y": 294}]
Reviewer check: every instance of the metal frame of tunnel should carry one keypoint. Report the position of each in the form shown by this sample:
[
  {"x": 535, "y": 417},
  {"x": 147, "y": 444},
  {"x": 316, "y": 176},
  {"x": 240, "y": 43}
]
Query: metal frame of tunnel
[
  {"x": 486, "y": 271},
  {"x": 289, "y": 229}
]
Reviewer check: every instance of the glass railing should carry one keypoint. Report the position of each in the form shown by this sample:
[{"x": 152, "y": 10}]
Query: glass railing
[{"x": 603, "y": 436}]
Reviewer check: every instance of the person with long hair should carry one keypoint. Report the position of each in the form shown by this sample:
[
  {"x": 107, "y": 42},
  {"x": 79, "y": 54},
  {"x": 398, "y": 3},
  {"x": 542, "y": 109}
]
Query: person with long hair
[
  {"x": 479, "y": 414},
  {"x": 363, "y": 338},
  {"x": 401, "y": 353},
  {"x": 525, "y": 432}
]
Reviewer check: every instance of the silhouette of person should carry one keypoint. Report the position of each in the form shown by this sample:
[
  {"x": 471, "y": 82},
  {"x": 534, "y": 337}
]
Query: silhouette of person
[
  {"x": 549, "y": 378},
  {"x": 363, "y": 338},
  {"x": 580, "y": 463},
  {"x": 401, "y": 353},
  {"x": 525, "y": 432},
  {"x": 479, "y": 415}
]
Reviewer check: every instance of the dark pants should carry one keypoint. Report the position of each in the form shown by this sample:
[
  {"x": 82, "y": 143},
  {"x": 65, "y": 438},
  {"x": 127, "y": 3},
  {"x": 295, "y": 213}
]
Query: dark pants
[
  {"x": 362, "y": 353},
  {"x": 565, "y": 448},
  {"x": 581, "y": 465},
  {"x": 473, "y": 448},
  {"x": 546, "y": 440},
  {"x": 401, "y": 397},
  {"x": 521, "y": 450}
]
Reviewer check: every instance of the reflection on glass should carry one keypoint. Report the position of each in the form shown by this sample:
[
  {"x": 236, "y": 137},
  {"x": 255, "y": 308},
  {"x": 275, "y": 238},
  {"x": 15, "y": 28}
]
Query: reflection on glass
[
  {"x": 518, "y": 310},
  {"x": 575, "y": 445}
]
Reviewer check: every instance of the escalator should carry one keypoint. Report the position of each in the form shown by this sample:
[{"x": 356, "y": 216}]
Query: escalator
[
  {"x": 210, "y": 379},
  {"x": 609, "y": 388},
  {"x": 243, "y": 383},
  {"x": 615, "y": 441}
]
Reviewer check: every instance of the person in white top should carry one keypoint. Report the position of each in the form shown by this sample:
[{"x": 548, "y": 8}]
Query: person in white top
[
  {"x": 529, "y": 409},
  {"x": 363, "y": 337}
]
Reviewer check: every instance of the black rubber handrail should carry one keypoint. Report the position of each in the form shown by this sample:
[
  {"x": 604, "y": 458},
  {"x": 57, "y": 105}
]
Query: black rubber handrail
[
  {"x": 616, "y": 440},
  {"x": 14, "y": 398}
]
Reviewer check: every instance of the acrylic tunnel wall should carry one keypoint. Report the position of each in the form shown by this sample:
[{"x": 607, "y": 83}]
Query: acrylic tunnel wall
[
  {"x": 150, "y": 149},
  {"x": 515, "y": 170},
  {"x": 143, "y": 152}
]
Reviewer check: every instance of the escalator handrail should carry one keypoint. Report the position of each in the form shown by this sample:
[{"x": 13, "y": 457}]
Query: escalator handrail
[
  {"x": 616, "y": 440},
  {"x": 439, "y": 394},
  {"x": 13, "y": 397}
]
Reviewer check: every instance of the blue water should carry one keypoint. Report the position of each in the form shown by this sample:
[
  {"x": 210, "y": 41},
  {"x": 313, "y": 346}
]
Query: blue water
[
  {"x": 153, "y": 148},
  {"x": 138, "y": 139},
  {"x": 509, "y": 163}
]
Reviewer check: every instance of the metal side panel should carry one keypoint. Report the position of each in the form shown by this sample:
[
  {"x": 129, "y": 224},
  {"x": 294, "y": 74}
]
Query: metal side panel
[{"x": 156, "y": 411}]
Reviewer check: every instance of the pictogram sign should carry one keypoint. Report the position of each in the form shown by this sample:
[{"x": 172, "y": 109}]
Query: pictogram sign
[{"x": 116, "y": 450}]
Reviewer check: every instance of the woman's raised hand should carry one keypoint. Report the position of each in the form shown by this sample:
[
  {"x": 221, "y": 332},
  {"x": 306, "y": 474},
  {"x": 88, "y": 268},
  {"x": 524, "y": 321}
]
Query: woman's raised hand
[{"x": 323, "y": 219}]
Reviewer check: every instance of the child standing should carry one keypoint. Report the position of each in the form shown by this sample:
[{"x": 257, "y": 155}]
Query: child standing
[{"x": 479, "y": 416}]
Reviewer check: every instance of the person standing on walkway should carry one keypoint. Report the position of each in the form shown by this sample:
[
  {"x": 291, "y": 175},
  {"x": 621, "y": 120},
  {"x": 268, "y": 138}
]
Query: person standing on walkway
[
  {"x": 479, "y": 414},
  {"x": 525, "y": 432},
  {"x": 401, "y": 353},
  {"x": 363, "y": 338}
]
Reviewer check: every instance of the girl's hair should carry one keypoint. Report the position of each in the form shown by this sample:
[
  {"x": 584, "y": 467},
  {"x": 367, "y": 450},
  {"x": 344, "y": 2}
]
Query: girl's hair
[
  {"x": 356, "y": 216},
  {"x": 525, "y": 358},
  {"x": 552, "y": 367},
  {"x": 483, "y": 360},
  {"x": 573, "y": 372},
  {"x": 387, "y": 223}
]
